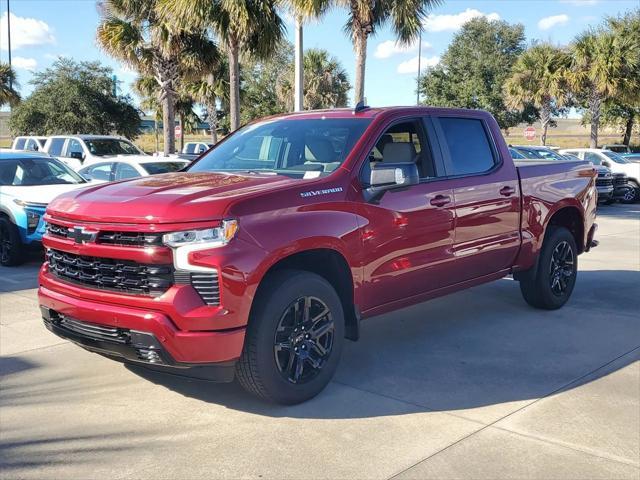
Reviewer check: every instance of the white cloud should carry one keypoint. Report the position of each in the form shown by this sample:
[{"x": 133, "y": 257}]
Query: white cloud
[
  {"x": 389, "y": 48},
  {"x": 25, "y": 32},
  {"x": 549, "y": 22},
  {"x": 580, "y": 3},
  {"x": 24, "y": 63},
  {"x": 441, "y": 23},
  {"x": 411, "y": 66}
]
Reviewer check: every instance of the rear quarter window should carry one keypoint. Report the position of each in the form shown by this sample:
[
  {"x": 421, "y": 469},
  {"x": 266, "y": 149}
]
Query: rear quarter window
[{"x": 469, "y": 146}]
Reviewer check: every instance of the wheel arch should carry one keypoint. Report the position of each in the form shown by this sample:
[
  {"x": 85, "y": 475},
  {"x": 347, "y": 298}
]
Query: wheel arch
[
  {"x": 572, "y": 218},
  {"x": 330, "y": 264}
]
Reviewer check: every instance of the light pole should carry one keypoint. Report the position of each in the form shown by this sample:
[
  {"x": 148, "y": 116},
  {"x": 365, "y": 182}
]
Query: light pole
[
  {"x": 9, "y": 40},
  {"x": 419, "y": 62},
  {"x": 299, "y": 68}
]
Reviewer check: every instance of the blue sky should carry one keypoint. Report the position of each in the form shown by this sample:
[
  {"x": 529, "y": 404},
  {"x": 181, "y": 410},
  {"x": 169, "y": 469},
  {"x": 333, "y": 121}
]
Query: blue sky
[{"x": 44, "y": 29}]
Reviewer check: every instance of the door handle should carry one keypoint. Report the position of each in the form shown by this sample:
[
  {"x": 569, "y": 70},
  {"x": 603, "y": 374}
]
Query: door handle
[
  {"x": 506, "y": 191},
  {"x": 440, "y": 200}
]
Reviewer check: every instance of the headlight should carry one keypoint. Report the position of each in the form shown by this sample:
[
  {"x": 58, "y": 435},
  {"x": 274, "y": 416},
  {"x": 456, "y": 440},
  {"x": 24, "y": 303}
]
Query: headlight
[{"x": 213, "y": 237}]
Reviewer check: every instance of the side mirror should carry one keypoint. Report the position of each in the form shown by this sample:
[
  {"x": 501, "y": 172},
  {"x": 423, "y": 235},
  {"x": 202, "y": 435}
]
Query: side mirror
[
  {"x": 606, "y": 163},
  {"x": 77, "y": 155},
  {"x": 390, "y": 176}
]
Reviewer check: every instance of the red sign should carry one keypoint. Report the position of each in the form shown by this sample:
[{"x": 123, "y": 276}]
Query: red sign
[
  {"x": 178, "y": 130},
  {"x": 529, "y": 133}
]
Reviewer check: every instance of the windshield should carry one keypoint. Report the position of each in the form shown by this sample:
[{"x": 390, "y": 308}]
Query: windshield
[
  {"x": 162, "y": 167},
  {"x": 111, "y": 146},
  {"x": 36, "y": 171},
  {"x": 615, "y": 157},
  {"x": 298, "y": 148}
]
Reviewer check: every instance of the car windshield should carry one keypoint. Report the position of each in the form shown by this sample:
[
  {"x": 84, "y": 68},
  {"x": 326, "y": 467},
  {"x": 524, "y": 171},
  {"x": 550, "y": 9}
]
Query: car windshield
[
  {"x": 615, "y": 157},
  {"x": 101, "y": 147},
  {"x": 529, "y": 153},
  {"x": 163, "y": 167},
  {"x": 515, "y": 154},
  {"x": 298, "y": 148},
  {"x": 36, "y": 171}
]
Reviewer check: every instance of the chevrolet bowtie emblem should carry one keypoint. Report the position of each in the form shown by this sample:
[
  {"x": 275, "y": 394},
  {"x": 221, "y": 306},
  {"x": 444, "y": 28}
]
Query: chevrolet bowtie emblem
[{"x": 82, "y": 235}]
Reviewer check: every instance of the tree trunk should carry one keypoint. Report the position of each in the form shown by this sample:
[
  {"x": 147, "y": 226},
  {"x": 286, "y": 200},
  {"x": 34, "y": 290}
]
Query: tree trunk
[
  {"x": 181, "y": 132},
  {"x": 234, "y": 84},
  {"x": 360, "y": 48},
  {"x": 595, "y": 102},
  {"x": 169, "y": 123},
  {"x": 545, "y": 118},
  {"x": 167, "y": 75},
  {"x": 628, "y": 130},
  {"x": 212, "y": 110},
  {"x": 155, "y": 128}
]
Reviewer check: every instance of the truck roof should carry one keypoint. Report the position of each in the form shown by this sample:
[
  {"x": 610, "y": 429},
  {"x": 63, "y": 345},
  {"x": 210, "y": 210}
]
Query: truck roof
[{"x": 370, "y": 112}]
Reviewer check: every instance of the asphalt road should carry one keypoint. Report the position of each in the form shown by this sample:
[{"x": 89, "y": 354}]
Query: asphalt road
[{"x": 474, "y": 385}]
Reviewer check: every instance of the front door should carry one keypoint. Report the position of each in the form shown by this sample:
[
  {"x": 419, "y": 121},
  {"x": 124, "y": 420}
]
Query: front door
[
  {"x": 487, "y": 197},
  {"x": 407, "y": 237}
]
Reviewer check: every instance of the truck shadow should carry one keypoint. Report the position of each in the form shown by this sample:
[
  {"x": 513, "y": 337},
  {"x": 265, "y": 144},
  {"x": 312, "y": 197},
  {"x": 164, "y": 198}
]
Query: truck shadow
[{"x": 478, "y": 348}]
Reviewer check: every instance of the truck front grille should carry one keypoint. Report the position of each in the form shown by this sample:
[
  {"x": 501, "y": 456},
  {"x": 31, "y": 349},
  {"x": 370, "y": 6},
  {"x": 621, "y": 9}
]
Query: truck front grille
[
  {"x": 619, "y": 179},
  {"x": 111, "y": 274},
  {"x": 125, "y": 239},
  {"x": 206, "y": 284},
  {"x": 603, "y": 181}
]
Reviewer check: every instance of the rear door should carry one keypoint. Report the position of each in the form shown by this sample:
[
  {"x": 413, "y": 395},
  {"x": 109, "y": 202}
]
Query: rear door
[
  {"x": 408, "y": 235},
  {"x": 487, "y": 197}
]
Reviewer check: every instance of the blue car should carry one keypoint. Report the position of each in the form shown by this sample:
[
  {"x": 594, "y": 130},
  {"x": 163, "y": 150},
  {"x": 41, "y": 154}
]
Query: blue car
[{"x": 28, "y": 182}]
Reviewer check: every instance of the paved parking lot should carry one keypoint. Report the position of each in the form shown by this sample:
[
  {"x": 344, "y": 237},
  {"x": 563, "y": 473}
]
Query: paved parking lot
[{"x": 474, "y": 385}]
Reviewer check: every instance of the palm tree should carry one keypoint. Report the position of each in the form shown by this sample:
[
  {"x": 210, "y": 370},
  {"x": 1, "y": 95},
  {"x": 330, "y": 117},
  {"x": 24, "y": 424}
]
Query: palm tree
[
  {"x": 367, "y": 16},
  {"x": 133, "y": 32},
  {"x": 147, "y": 89},
  {"x": 251, "y": 27},
  {"x": 539, "y": 78},
  {"x": 326, "y": 83},
  {"x": 601, "y": 62},
  {"x": 8, "y": 94},
  {"x": 207, "y": 90}
]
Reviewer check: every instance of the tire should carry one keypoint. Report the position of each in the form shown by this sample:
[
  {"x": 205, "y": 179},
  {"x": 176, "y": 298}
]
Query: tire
[
  {"x": 270, "y": 372},
  {"x": 11, "y": 249},
  {"x": 631, "y": 198},
  {"x": 550, "y": 285}
]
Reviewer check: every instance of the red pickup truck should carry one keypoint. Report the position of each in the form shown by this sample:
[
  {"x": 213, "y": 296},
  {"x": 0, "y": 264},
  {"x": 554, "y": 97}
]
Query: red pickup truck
[{"x": 264, "y": 256}]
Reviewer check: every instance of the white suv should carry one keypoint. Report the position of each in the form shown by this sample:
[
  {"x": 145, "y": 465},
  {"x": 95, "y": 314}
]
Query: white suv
[
  {"x": 78, "y": 151},
  {"x": 615, "y": 162}
]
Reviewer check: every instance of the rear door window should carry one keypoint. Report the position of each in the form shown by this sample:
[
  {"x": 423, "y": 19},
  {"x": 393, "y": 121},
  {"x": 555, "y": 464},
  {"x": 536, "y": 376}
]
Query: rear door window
[
  {"x": 593, "y": 158},
  {"x": 20, "y": 143},
  {"x": 101, "y": 171},
  {"x": 468, "y": 144},
  {"x": 125, "y": 171},
  {"x": 55, "y": 146}
]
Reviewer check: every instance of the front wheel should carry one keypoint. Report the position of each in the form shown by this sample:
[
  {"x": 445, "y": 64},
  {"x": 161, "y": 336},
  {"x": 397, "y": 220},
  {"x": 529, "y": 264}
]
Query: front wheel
[
  {"x": 11, "y": 248},
  {"x": 631, "y": 195},
  {"x": 551, "y": 284},
  {"x": 294, "y": 338}
]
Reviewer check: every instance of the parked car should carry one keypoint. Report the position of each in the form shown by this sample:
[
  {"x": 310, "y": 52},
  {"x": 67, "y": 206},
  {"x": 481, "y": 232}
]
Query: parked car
[
  {"x": 122, "y": 169},
  {"x": 28, "y": 182},
  {"x": 267, "y": 252},
  {"x": 537, "y": 152},
  {"x": 618, "y": 148},
  {"x": 196, "y": 148},
  {"x": 604, "y": 185},
  {"x": 617, "y": 164},
  {"x": 28, "y": 143},
  {"x": 81, "y": 150}
]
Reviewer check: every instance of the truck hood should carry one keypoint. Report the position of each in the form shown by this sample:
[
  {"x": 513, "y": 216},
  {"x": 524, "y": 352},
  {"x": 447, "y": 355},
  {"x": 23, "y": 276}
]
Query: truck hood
[
  {"x": 166, "y": 198},
  {"x": 42, "y": 194}
]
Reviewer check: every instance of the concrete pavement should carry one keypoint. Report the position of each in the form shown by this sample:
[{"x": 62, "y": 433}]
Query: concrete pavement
[{"x": 474, "y": 385}]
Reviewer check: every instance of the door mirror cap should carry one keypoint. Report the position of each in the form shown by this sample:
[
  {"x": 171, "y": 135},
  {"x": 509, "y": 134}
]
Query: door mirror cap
[
  {"x": 390, "y": 176},
  {"x": 606, "y": 163},
  {"x": 77, "y": 155}
]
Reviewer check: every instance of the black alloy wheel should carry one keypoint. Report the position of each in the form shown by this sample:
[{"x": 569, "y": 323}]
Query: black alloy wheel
[
  {"x": 562, "y": 268},
  {"x": 303, "y": 339}
]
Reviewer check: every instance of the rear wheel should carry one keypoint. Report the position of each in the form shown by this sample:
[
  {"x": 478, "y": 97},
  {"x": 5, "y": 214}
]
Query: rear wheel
[
  {"x": 551, "y": 284},
  {"x": 294, "y": 338},
  {"x": 11, "y": 248}
]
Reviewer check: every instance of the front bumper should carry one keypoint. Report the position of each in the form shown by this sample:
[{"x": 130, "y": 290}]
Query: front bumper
[
  {"x": 605, "y": 193},
  {"x": 141, "y": 336}
]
